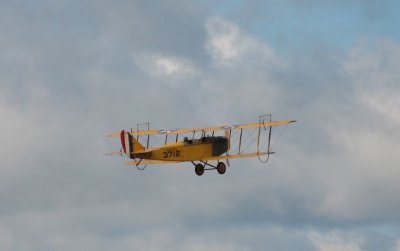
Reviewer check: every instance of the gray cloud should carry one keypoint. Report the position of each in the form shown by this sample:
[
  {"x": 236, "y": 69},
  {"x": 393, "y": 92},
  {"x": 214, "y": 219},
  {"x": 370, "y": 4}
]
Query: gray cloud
[{"x": 71, "y": 73}]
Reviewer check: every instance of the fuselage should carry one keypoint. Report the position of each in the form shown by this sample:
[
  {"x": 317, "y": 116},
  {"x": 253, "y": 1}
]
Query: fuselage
[{"x": 187, "y": 150}]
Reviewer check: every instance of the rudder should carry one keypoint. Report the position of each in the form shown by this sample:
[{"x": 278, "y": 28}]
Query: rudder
[{"x": 129, "y": 144}]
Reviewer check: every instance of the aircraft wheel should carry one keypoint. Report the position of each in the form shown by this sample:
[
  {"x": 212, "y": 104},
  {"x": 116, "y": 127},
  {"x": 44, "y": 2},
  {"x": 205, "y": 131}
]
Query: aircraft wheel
[
  {"x": 199, "y": 169},
  {"x": 221, "y": 168}
]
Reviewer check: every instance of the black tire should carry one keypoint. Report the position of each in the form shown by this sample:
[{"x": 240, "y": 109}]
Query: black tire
[
  {"x": 199, "y": 169},
  {"x": 221, "y": 167}
]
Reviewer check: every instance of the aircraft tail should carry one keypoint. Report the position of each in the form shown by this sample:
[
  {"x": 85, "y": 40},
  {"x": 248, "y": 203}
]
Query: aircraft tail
[{"x": 130, "y": 145}]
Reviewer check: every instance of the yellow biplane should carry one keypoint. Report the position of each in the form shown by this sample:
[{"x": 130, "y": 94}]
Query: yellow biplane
[{"x": 201, "y": 149}]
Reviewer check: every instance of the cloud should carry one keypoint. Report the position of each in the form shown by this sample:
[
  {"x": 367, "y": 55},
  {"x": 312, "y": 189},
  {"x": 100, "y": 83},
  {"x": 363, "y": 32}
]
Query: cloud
[
  {"x": 376, "y": 79},
  {"x": 361, "y": 185},
  {"x": 397, "y": 246},
  {"x": 335, "y": 169},
  {"x": 334, "y": 241},
  {"x": 167, "y": 67},
  {"x": 228, "y": 45}
]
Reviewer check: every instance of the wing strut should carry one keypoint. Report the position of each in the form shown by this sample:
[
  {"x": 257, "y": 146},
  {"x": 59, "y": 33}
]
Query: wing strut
[
  {"x": 262, "y": 121},
  {"x": 240, "y": 139},
  {"x": 138, "y": 129}
]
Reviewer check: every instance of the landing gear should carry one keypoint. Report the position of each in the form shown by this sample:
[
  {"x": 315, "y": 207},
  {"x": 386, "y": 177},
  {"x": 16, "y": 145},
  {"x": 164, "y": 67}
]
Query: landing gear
[
  {"x": 221, "y": 168},
  {"x": 199, "y": 169}
]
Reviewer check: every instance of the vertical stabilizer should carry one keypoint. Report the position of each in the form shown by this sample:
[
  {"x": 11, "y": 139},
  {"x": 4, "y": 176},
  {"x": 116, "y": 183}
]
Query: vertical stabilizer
[
  {"x": 137, "y": 147},
  {"x": 130, "y": 145}
]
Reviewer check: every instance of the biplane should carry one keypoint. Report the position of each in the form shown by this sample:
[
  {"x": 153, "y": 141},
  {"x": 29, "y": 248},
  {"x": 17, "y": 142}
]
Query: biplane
[{"x": 200, "y": 146}]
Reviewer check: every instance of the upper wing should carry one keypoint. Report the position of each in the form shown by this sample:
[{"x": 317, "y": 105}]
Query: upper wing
[
  {"x": 205, "y": 129},
  {"x": 227, "y": 127},
  {"x": 264, "y": 124},
  {"x": 169, "y": 131},
  {"x": 143, "y": 132}
]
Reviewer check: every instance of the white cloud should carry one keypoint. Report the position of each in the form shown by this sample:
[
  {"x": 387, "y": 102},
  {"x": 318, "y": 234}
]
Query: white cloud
[
  {"x": 376, "y": 77},
  {"x": 7, "y": 239},
  {"x": 243, "y": 74},
  {"x": 334, "y": 241},
  {"x": 162, "y": 66},
  {"x": 397, "y": 248},
  {"x": 168, "y": 66},
  {"x": 224, "y": 42},
  {"x": 360, "y": 180},
  {"x": 228, "y": 45}
]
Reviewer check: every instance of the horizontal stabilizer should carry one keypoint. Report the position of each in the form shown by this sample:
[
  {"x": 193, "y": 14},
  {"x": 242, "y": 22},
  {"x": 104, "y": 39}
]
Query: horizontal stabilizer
[{"x": 114, "y": 153}]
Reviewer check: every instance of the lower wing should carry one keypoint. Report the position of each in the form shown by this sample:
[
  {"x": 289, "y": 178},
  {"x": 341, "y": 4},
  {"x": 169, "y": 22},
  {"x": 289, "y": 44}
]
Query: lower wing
[
  {"x": 236, "y": 156},
  {"x": 222, "y": 157}
]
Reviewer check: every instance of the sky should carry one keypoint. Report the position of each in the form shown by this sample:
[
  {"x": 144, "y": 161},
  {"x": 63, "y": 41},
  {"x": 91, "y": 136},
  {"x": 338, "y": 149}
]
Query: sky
[{"x": 73, "y": 71}]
